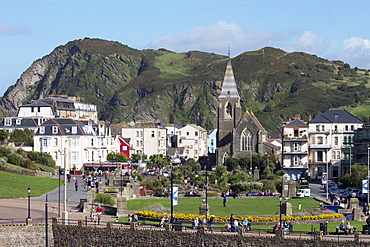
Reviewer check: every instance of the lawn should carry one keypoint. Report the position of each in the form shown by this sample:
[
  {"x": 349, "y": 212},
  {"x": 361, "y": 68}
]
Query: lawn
[
  {"x": 243, "y": 206},
  {"x": 15, "y": 186}
]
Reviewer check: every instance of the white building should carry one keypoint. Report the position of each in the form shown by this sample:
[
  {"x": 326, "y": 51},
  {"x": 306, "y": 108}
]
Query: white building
[
  {"x": 146, "y": 138},
  {"x": 59, "y": 106},
  {"x": 194, "y": 140},
  {"x": 295, "y": 147},
  {"x": 73, "y": 143},
  {"x": 327, "y": 133}
]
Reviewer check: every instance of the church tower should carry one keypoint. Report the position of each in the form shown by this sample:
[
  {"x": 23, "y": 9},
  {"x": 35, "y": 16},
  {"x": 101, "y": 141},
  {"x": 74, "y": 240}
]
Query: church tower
[{"x": 229, "y": 108}]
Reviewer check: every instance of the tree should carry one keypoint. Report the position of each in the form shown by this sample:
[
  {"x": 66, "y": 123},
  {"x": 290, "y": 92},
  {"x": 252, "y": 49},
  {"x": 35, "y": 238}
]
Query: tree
[
  {"x": 117, "y": 157},
  {"x": 23, "y": 136},
  {"x": 3, "y": 136},
  {"x": 221, "y": 170},
  {"x": 358, "y": 173}
]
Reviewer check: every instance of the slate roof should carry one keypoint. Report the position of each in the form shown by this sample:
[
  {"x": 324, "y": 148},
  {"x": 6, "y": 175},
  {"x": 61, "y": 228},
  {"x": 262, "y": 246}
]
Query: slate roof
[
  {"x": 335, "y": 116},
  {"x": 229, "y": 89},
  {"x": 64, "y": 127},
  {"x": 296, "y": 123}
]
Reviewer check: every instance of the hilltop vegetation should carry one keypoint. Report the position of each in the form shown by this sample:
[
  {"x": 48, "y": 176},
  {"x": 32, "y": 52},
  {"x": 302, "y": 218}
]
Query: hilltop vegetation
[{"x": 132, "y": 85}]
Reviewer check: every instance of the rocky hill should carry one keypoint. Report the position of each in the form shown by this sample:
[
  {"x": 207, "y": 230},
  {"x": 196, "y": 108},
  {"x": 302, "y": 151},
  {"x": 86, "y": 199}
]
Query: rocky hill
[{"x": 133, "y": 85}]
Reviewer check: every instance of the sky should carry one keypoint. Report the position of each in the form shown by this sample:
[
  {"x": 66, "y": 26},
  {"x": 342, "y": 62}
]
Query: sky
[{"x": 334, "y": 30}]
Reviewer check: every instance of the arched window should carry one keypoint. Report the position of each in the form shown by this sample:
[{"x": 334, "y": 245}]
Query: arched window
[
  {"x": 246, "y": 140},
  {"x": 224, "y": 159},
  {"x": 229, "y": 110}
]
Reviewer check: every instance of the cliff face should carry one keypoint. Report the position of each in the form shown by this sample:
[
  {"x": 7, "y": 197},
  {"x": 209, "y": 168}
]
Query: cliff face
[{"x": 131, "y": 85}]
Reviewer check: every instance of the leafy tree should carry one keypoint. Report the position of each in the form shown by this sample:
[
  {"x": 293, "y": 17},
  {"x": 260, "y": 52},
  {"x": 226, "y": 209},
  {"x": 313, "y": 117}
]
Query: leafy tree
[
  {"x": 220, "y": 171},
  {"x": 232, "y": 163},
  {"x": 358, "y": 173},
  {"x": 3, "y": 136},
  {"x": 24, "y": 136},
  {"x": 137, "y": 157},
  {"x": 117, "y": 157},
  {"x": 15, "y": 159}
]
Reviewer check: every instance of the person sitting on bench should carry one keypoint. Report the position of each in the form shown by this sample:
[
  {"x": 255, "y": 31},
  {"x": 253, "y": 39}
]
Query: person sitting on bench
[{"x": 342, "y": 227}]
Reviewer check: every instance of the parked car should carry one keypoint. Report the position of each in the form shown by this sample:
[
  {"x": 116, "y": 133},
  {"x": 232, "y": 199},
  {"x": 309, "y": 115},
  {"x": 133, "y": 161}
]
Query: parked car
[
  {"x": 161, "y": 194},
  {"x": 192, "y": 194}
]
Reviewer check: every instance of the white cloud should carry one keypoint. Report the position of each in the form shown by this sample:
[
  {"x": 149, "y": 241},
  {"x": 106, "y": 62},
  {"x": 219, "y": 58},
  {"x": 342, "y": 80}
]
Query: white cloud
[
  {"x": 8, "y": 29},
  {"x": 217, "y": 37}
]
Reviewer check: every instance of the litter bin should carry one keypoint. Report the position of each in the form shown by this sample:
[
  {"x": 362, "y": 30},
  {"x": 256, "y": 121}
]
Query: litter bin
[
  {"x": 324, "y": 228},
  {"x": 82, "y": 202},
  {"x": 177, "y": 226}
]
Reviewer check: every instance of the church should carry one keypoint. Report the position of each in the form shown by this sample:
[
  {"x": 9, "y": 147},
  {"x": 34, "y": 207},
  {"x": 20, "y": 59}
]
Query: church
[{"x": 239, "y": 133}]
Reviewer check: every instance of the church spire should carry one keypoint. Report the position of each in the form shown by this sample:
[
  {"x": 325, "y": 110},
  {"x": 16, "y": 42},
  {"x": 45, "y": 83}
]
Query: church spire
[{"x": 229, "y": 89}]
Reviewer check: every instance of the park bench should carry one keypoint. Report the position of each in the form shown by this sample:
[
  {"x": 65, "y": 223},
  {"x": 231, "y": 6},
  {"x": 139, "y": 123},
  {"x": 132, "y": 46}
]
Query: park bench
[{"x": 365, "y": 229}]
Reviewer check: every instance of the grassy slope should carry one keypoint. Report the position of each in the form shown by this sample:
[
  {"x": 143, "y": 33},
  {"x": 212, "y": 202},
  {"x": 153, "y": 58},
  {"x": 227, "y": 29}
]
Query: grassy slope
[{"x": 15, "y": 186}]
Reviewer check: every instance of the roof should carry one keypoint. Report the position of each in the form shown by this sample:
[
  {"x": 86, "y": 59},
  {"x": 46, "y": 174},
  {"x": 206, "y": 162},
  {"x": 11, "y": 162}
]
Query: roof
[
  {"x": 336, "y": 116},
  {"x": 296, "y": 123},
  {"x": 229, "y": 89},
  {"x": 64, "y": 127}
]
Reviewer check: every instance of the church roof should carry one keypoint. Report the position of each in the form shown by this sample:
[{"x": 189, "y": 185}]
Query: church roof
[{"x": 229, "y": 89}]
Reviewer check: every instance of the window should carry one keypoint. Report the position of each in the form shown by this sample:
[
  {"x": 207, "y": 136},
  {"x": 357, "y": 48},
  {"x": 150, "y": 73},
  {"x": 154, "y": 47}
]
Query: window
[
  {"x": 32, "y": 109},
  {"x": 55, "y": 155},
  {"x": 55, "y": 141},
  {"x": 74, "y": 156},
  {"x": 55, "y": 129},
  {"x": 346, "y": 128},
  {"x": 246, "y": 140},
  {"x": 141, "y": 133},
  {"x": 352, "y": 127},
  {"x": 296, "y": 133},
  {"x": 42, "y": 130},
  {"x": 152, "y": 134},
  {"x": 335, "y": 128},
  {"x": 74, "y": 142},
  {"x": 137, "y": 133},
  {"x": 137, "y": 142},
  {"x": 196, "y": 133},
  {"x": 212, "y": 142},
  {"x": 180, "y": 141},
  {"x": 323, "y": 127},
  {"x": 74, "y": 129},
  {"x": 195, "y": 141},
  {"x": 8, "y": 122},
  {"x": 92, "y": 141},
  {"x": 295, "y": 160},
  {"x": 336, "y": 141},
  {"x": 17, "y": 121},
  {"x": 229, "y": 111},
  {"x": 45, "y": 142},
  {"x": 187, "y": 133},
  {"x": 295, "y": 146},
  {"x": 320, "y": 156},
  {"x": 196, "y": 152},
  {"x": 187, "y": 151},
  {"x": 317, "y": 127},
  {"x": 320, "y": 140}
]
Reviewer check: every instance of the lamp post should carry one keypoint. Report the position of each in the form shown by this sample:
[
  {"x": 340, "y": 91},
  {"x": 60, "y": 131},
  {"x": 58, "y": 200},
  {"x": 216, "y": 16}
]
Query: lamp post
[
  {"x": 171, "y": 180},
  {"x": 281, "y": 218},
  {"x": 65, "y": 213},
  {"x": 29, "y": 205},
  {"x": 368, "y": 167},
  {"x": 327, "y": 176},
  {"x": 206, "y": 190}
]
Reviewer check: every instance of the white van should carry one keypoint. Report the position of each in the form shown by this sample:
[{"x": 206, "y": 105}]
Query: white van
[{"x": 303, "y": 193}]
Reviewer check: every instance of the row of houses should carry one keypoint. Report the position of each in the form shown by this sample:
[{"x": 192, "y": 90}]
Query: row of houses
[
  {"x": 73, "y": 138},
  {"x": 329, "y": 143}
]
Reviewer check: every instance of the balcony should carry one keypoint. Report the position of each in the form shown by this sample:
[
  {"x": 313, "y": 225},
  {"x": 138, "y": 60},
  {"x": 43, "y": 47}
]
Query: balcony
[
  {"x": 295, "y": 139},
  {"x": 298, "y": 151}
]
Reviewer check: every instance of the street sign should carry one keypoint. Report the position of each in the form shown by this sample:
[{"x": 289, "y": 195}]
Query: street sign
[
  {"x": 365, "y": 186},
  {"x": 175, "y": 195}
]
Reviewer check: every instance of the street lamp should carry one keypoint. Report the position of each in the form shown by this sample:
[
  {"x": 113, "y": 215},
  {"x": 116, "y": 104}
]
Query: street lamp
[
  {"x": 368, "y": 167},
  {"x": 29, "y": 204},
  {"x": 281, "y": 218},
  {"x": 327, "y": 177},
  {"x": 206, "y": 190},
  {"x": 65, "y": 213}
]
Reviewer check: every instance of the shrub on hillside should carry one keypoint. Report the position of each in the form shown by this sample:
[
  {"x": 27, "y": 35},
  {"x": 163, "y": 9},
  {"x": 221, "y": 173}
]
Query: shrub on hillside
[
  {"x": 5, "y": 150},
  {"x": 15, "y": 159},
  {"x": 27, "y": 163},
  {"x": 42, "y": 158},
  {"x": 3, "y": 160},
  {"x": 105, "y": 199}
]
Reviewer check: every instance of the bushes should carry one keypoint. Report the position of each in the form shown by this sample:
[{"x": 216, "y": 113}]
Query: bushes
[
  {"x": 105, "y": 199},
  {"x": 42, "y": 158},
  {"x": 15, "y": 159},
  {"x": 247, "y": 186}
]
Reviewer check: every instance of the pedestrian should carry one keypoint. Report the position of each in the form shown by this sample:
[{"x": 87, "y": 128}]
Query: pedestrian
[
  {"x": 92, "y": 213},
  {"x": 225, "y": 199},
  {"x": 76, "y": 185},
  {"x": 211, "y": 223},
  {"x": 365, "y": 209},
  {"x": 69, "y": 178},
  {"x": 299, "y": 206},
  {"x": 99, "y": 211}
]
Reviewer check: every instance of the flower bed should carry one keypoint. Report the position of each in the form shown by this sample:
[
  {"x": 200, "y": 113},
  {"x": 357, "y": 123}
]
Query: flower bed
[{"x": 150, "y": 214}]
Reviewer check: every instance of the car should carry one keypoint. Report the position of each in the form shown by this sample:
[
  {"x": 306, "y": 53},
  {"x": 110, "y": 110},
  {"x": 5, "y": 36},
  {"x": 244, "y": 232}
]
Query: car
[
  {"x": 161, "y": 194},
  {"x": 192, "y": 194}
]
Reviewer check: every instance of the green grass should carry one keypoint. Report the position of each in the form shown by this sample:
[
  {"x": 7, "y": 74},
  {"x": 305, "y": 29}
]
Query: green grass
[
  {"x": 361, "y": 110},
  {"x": 15, "y": 186},
  {"x": 243, "y": 206}
]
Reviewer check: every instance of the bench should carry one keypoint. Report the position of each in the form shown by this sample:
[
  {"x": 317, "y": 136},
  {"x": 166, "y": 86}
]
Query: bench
[{"x": 345, "y": 230}]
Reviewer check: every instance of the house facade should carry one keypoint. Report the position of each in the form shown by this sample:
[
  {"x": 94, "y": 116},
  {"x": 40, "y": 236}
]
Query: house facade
[
  {"x": 295, "y": 147},
  {"x": 329, "y": 133}
]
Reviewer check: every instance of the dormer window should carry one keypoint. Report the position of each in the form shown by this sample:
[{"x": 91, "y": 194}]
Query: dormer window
[
  {"x": 74, "y": 129},
  {"x": 55, "y": 129},
  {"x": 42, "y": 130},
  {"x": 18, "y": 122}
]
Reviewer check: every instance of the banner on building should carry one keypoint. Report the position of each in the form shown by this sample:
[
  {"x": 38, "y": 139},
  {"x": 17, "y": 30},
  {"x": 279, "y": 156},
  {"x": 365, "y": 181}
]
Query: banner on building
[{"x": 175, "y": 195}]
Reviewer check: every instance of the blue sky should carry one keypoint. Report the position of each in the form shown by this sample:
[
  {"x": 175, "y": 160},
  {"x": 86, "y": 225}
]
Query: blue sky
[{"x": 31, "y": 29}]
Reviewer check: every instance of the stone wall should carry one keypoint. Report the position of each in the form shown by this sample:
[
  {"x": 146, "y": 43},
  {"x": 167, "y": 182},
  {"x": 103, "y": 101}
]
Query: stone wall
[
  {"x": 65, "y": 235},
  {"x": 25, "y": 172}
]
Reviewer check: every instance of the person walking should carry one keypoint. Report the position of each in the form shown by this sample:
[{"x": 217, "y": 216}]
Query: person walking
[
  {"x": 211, "y": 223},
  {"x": 299, "y": 206},
  {"x": 225, "y": 199},
  {"x": 76, "y": 185}
]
